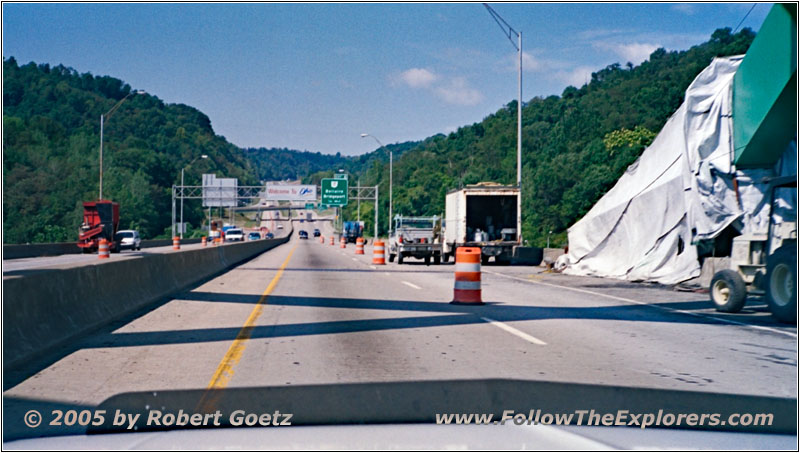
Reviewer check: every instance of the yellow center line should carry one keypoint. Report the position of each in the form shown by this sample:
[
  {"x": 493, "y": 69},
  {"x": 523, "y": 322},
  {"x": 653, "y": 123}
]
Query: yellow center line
[{"x": 224, "y": 371}]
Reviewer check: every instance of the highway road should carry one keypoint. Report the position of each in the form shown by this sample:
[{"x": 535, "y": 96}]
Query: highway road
[
  {"x": 310, "y": 313},
  {"x": 320, "y": 314}
]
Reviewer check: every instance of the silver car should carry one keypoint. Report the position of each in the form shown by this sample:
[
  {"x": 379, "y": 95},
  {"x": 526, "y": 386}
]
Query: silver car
[
  {"x": 128, "y": 239},
  {"x": 234, "y": 234}
]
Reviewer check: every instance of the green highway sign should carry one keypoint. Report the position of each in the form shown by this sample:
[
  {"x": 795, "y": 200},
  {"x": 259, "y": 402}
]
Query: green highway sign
[
  {"x": 309, "y": 206},
  {"x": 334, "y": 192},
  {"x": 340, "y": 176}
]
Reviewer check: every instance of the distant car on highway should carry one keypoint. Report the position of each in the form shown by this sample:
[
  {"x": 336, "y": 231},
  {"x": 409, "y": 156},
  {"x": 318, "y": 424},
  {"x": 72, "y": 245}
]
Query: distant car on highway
[
  {"x": 253, "y": 236},
  {"x": 280, "y": 226},
  {"x": 269, "y": 236},
  {"x": 316, "y": 232},
  {"x": 303, "y": 234},
  {"x": 128, "y": 239},
  {"x": 234, "y": 234}
]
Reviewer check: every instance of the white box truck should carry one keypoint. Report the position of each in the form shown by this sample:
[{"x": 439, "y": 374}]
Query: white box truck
[{"x": 482, "y": 215}]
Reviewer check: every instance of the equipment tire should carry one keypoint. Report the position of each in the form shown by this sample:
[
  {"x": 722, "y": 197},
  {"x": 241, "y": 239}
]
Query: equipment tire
[
  {"x": 728, "y": 291},
  {"x": 781, "y": 285}
]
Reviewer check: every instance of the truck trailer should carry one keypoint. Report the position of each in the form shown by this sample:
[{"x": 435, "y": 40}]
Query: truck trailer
[{"x": 482, "y": 215}]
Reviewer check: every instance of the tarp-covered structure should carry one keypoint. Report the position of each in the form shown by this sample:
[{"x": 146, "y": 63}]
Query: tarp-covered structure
[{"x": 681, "y": 191}]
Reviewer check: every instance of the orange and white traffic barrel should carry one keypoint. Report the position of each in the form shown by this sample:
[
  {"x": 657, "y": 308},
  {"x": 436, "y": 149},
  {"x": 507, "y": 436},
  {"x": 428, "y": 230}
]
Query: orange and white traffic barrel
[
  {"x": 332, "y": 240},
  {"x": 321, "y": 239},
  {"x": 378, "y": 252},
  {"x": 467, "y": 287},
  {"x": 176, "y": 243},
  {"x": 360, "y": 246},
  {"x": 204, "y": 241},
  {"x": 342, "y": 243},
  {"x": 102, "y": 250}
]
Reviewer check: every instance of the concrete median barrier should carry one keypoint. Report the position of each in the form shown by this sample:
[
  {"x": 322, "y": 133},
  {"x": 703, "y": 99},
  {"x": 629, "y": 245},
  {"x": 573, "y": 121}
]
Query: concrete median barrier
[
  {"x": 527, "y": 256},
  {"x": 43, "y": 310},
  {"x": 14, "y": 251}
]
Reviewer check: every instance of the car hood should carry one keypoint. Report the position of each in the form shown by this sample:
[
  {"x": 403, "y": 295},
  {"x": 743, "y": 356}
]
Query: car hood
[{"x": 418, "y": 402}]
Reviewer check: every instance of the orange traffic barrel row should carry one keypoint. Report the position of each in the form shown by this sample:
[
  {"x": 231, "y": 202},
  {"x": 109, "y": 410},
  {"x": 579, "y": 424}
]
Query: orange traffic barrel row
[
  {"x": 378, "y": 252},
  {"x": 176, "y": 243},
  {"x": 102, "y": 250},
  {"x": 360, "y": 246},
  {"x": 343, "y": 243},
  {"x": 332, "y": 240},
  {"x": 467, "y": 287},
  {"x": 204, "y": 241}
]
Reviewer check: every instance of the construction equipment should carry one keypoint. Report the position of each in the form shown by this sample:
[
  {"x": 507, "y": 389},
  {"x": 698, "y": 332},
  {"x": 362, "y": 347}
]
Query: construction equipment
[
  {"x": 100, "y": 221},
  {"x": 417, "y": 237},
  {"x": 763, "y": 264}
]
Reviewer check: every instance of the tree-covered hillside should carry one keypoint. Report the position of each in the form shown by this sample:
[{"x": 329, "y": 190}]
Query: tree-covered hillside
[
  {"x": 51, "y": 140},
  {"x": 575, "y": 146},
  {"x": 275, "y": 164}
]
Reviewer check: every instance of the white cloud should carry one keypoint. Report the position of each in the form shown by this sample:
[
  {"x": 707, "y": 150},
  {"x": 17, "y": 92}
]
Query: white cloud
[
  {"x": 531, "y": 63},
  {"x": 576, "y": 77},
  {"x": 685, "y": 8},
  {"x": 635, "y": 52},
  {"x": 418, "y": 77},
  {"x": 458, "y": 91},
  {"x": 453, "y": 90}
]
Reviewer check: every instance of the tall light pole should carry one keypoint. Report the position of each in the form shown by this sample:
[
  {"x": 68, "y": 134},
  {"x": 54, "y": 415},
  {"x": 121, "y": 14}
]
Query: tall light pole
[
  {"x": 203, "y": 156},
  {"x": 390, "y": 177},
  {"x": 103, "y": 117},
  {"x": 508, "y": 31}
]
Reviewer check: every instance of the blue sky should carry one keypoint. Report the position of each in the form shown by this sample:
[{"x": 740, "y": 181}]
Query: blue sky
[{"x": 315, "y": 76}]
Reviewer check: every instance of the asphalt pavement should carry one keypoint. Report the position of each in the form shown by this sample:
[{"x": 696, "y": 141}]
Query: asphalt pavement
[{"x": 312, "y": 313}]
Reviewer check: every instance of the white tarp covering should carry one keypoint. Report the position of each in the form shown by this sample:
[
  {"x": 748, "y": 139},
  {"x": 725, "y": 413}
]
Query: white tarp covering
[{"x": 679, "y": 191}]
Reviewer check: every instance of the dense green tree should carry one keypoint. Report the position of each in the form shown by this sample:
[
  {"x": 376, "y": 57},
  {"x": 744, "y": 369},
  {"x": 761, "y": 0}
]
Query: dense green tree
[{"x": 51, "y": 139}]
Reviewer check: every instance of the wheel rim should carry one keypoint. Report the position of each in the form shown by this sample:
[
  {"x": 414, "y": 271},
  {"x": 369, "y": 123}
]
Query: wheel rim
[
  {"x": 781, "y": 285},
  {"x": 721, "y": 292}
]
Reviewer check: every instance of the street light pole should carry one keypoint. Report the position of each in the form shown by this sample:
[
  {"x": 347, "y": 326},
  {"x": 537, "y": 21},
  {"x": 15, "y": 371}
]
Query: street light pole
[
  {"x": 519, "y": 145},
  {"x": 107, "y": 115},
  {"x": 390, "y": 177},
  {"x": 508, "y": 31},
  {"x": 101, "y": 157}
]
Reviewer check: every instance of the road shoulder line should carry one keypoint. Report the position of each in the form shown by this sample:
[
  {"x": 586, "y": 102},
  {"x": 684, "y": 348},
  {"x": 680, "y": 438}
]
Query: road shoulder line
[{"x": 625, "y": 299}]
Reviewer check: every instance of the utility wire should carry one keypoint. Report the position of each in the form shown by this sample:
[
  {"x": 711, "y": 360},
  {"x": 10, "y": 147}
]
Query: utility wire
[
  {"x": 745, "y": 17},
  {"x": 503, "y": 26}
]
